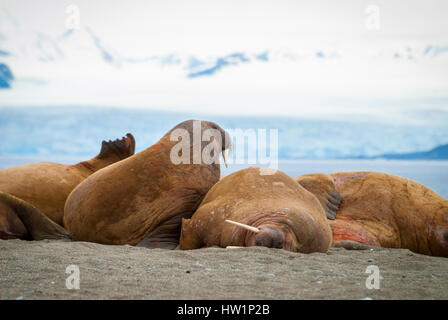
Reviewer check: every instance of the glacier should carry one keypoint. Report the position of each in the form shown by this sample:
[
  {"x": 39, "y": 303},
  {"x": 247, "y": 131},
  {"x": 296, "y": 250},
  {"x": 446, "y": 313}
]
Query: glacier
[{"x": 74, "y": 131}]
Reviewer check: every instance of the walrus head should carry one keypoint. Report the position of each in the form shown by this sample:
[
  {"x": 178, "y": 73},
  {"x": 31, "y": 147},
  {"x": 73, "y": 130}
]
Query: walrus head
[
  {"x": 248, "y": 208},
  {"x": 226, "y": 140},
  {"x": 274, "y": 232},
  {"x": 277, "y": 230},
  {"x": 206, "y": 133},
  {"x": 282, "y": 233}
]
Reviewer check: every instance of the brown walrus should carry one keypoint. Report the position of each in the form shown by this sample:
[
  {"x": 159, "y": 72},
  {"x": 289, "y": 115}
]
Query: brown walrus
[
  {"x": 383, "y": 210},
  {"x": 284, "y": 214},
  {"x": 141, "y": 200},
  {"x": 46, "y": 185}
]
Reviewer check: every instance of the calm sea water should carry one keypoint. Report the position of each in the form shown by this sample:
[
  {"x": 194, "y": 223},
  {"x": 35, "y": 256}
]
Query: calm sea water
[{"x": 433, "y": 174}]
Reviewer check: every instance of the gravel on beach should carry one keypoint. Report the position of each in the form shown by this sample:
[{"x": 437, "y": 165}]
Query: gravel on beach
[{"x": 37, "y": 270}]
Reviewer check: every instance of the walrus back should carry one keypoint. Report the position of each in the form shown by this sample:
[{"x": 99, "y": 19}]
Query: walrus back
[
  {"x": 93, "y": 202},
  {"x": 143, "y": 196},
  {"x": 45, "y": 185}
]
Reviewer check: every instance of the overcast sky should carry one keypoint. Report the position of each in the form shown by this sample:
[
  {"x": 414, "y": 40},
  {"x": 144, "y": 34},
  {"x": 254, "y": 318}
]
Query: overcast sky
[
  {"x": 210, "y": 25},
  {"x": 138, "y": 28}
]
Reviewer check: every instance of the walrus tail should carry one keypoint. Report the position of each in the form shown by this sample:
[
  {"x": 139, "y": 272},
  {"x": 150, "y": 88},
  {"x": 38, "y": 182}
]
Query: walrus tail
[
  {"x": 37, "y": 224},
  {"x": 122, "y": 148}
]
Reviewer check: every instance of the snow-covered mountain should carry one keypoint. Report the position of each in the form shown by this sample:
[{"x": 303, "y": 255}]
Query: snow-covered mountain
[
  {"x": 76, "y": 45},
  {"x": 356, "y": 96},
  {"x": 6, "y": 76},
  {"x": 39, "y": 56},
  {"x": 83, "y": 67}
]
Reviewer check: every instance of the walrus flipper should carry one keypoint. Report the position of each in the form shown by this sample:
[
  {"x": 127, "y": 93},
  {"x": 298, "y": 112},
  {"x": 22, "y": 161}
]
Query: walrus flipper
[
  {"x": 189, "y": 239},
  {"x": 122, "y": 148},
  {"x": 165, "y": 236},
  {"x": 157, "y": 243},
  {"x": 323, "y": 187},
  {"x": 37, "y": 224}
]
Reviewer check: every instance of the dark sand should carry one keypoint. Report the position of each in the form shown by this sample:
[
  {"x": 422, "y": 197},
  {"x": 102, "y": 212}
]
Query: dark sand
[{"x": 36, "y": 270}]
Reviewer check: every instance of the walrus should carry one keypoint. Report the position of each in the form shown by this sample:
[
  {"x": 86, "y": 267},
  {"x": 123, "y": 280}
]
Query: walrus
[
  {"x": 373, "y": 209},
  {"x": 46, "y": 185},
  {"x": 277, "y": 211},
  {"x": 142, "y": 199}
]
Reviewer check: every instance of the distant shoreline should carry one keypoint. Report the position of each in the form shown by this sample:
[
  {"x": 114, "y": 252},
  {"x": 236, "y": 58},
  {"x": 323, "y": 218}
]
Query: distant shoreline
[
  {"x": 438, "y": 153},
  {"x": 68, "y": 159}
]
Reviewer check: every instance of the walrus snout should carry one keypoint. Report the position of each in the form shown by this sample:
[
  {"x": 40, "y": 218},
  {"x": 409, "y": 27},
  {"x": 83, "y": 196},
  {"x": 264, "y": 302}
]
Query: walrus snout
[{"x": 270, "y": 237}]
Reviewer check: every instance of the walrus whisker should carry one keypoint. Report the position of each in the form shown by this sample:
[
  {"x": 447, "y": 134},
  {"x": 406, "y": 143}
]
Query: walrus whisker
[{"x": 245, "y": 226}]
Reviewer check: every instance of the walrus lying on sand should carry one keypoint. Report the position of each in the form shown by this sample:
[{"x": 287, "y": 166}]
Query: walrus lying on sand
[
  {"x": 141, "y": 200},
  {"x": 270, "y": 210},
  {"x": 383, "y": 210},
  {"x": 45, "y": 186}
]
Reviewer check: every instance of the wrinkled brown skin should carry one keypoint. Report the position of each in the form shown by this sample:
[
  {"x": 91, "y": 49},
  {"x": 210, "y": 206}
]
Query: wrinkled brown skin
[
  {"x": 382, "y": 210},
  {"x": 45, "y": 186},
  {"x": 141, "y": 200},
  {"x": 287, "y": 215}
]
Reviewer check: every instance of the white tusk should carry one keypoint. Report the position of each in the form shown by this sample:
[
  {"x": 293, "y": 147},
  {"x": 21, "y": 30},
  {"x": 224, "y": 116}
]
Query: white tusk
[
  {"x": 234, "y": 247},
  {"x": 224, "y": 157},
  {"x": 245, "y": 226}
]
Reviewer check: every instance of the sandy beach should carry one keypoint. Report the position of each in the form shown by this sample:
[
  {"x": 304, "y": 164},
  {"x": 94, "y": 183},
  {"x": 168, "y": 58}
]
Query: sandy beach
[{"x": 37, "y": 270}]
